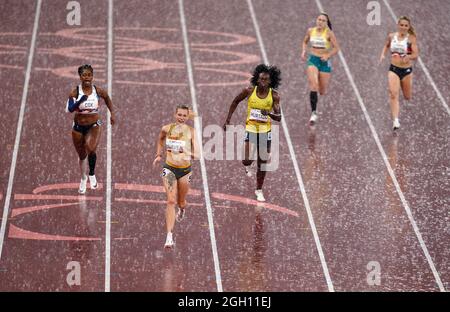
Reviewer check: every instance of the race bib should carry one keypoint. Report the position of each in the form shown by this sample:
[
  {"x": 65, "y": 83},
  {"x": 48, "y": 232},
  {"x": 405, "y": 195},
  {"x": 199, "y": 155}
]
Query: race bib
[
  {"x": 176, "y": 146},
  {"x": 165, "y": 172},
  {"x": 319, "y": 43},
  {"x": 89, "y": 105},
  {"x": 256, "y": 115},
  {"x": 399, "y": 48}
]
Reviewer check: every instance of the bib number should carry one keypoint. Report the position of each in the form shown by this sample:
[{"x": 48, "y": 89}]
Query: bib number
[
  {"x": 175, "y": 146},
  {"x": 88, "y": 104},
  {"x": 165, "y": 172},
  {"x": 256, "y": 115}
]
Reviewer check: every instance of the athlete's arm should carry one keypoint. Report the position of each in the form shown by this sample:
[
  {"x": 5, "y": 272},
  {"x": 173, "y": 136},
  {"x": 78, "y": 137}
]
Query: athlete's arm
[
  {"x": 414, "y": 49},
  {"x": 104, "y": 95},
  {"x": 276, "y": 115},
  {"x": 195, "y": 148},
  {"x": 160, "y": 144},
  {"x": 335, "y": 48},
  {"x": 305, "y": 44},
  {"x": 72, "y": 103},
  {"x": 191, "y": 151},
  {"x": 387, "y": 45},
  {"x": 240, "y": 97}
]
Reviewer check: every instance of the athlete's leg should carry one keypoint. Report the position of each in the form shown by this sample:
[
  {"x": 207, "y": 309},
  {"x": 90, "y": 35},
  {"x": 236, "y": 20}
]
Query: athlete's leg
[
  {"x": 263, "y": 158},
  {"x": 92, "y": 140},
  {"x": 260, "y": 174},
  {"x": 394, "y": 90},
  {"x": 313, "y": 83},
  {"x": 249, "y": 153},
  {"x": 170, "y": 185},
  {"x": 406, "y": 85},
  {"x": 184, "y": 184},
  {"x": 78, "y": 140},
  {"x": 313, "y": 78},
  {"x": 324, "y": 81}
]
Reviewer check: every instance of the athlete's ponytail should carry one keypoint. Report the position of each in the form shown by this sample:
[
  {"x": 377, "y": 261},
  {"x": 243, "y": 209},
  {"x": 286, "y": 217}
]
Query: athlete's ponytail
[{"x": 328, "y": 19}]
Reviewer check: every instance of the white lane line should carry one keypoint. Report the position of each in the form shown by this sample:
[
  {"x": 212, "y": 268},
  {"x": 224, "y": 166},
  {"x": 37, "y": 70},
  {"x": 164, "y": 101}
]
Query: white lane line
[
  {"x": 108, "y": 153},
  {"x": 199, "y": 140},
  {"x": 295, "y": 163},
  {"x": 388, "y": 166},
  {"x": 19, "y": 126},
  {"x": 422, "y": 64}
]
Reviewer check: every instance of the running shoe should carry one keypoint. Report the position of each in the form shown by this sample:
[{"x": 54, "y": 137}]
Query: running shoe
[
  {"x": 82, "y": 188},
  {"x": 93, "y": 182},
  {"x": 396, "y": 124},
  {"x": 169, "y": 241},
  {"x": 259, "y": 196},
  {"x": 180, "y": 214},
  {"x": 313, "y": 118}
]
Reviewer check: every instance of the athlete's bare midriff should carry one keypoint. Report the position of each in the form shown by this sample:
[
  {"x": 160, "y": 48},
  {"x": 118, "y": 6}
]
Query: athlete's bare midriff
[{"x": 86, "y": 119}]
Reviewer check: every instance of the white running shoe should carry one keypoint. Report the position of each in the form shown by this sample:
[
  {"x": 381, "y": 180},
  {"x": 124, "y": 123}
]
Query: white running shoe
[
  {"x": 259, "y": 196},
  {"x": 396, "y": 124},
  {"x": 180, "y": 214},
  {"x": 313, "y": 118},
  {"x": 93, "y": 182},
  {"x": 169, "y": 241},
  {"x": 82, "y": 188}
]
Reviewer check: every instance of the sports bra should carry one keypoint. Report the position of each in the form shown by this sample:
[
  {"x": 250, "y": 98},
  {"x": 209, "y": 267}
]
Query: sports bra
[
  {"x": 319, "y": 40},
  {"x": 401, "y": 47},
  {"x": 90, "y": 106}
]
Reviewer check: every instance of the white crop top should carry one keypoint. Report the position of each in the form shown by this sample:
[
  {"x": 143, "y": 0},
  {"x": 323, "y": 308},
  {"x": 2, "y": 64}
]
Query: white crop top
[
  {"x": 90, "y": 106},
  {"x": 399, "y": 46}
]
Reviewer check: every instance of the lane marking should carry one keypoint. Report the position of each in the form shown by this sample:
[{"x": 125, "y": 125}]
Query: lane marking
[
  {"x": 19, "y": 126},
  {"x": 108, "y": 154},
  {"x": 295, "y": 163},
  {"x": 388, "y": 166},
  {"x": 199, "y": 140},
  {"x": 422, "y": 64}
]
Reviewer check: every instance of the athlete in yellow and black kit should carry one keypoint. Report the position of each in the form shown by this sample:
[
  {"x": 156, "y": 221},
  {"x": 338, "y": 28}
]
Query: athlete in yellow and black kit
[
  {"x": 263, "y": 106},
  {"x": 181, "y": 147}
]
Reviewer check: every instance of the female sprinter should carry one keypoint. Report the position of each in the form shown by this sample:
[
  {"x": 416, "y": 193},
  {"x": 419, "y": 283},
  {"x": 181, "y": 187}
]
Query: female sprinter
[
  {"x": 323, "y": 45},
  {"x": 403, "y": 47},
  {"x": 86, "y": 129},
  {"x": 263, "y": 105},
  {"x": 181, "y": 148}
]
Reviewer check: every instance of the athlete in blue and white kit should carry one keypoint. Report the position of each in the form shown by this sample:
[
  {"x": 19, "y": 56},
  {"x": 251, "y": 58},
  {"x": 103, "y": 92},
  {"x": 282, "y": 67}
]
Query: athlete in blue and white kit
[{"x": 86, "y": 130}]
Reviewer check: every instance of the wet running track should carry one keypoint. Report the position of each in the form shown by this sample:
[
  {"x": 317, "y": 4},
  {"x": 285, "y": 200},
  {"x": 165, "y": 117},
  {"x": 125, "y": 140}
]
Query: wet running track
[{"x": 351, "y": 206}]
